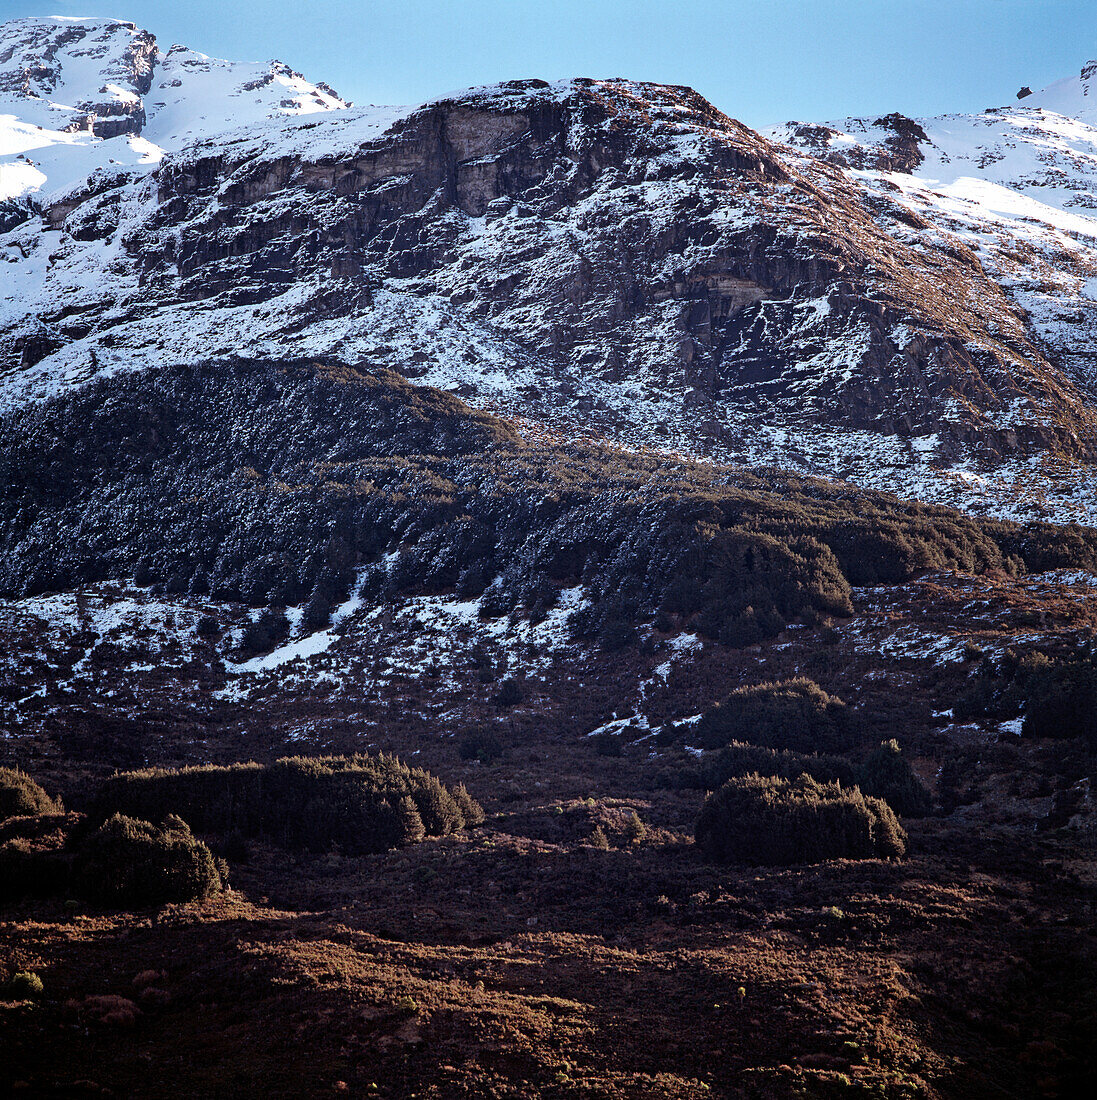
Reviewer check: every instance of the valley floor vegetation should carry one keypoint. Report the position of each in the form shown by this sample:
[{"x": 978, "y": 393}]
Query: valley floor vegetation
[
  {"x": 768, "y": 820},
  {"x": 746, "y": 890},
  {"x": 115, "y": 854}
]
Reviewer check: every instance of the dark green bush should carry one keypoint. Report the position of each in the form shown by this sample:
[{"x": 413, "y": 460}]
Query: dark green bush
[
  {"x": 746, "y": 584},
  {"x": 738, "y": 759},
  {"x": 997, "y": 690},
  {"x": 471, "y": 810},
  {"x": 212, "y": 799},
  {"x": 20, "y": 796},
  {"x": 271, "y": 481},
  {"x": 208, "y": 627},
  {"x": 1056, "y": 695},
  {"x": 887, "y": 775},
  {"x": 265, "y": 632},
  {"x": 131, "y": 862},
  {"x": 616, "y": 634},
  {"x": 409, "y": 821},
  {"x": 1061, "y": 700},
  {"x": 355, "y": 803},
  {"x": 480, "y": 745},
  {"x": 510, "y": 693},
  {"x": 792, "y": 714},
  {"x": 781, "y": 822},
  {"x": 24, "y": 985}
]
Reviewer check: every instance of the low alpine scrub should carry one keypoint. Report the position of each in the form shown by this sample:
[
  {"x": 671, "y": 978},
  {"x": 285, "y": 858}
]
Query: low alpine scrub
[
  {"x": 359, "y": 804},
  {"x": 30, "y": 869},
  {"x": 131, "y": 862},
  {"x": 24, "y": 985},
  {"x": 276, "y": 483},
  {"x": 887, "y": 774},
  {"x": 123, "y": 862},
  {"x": 1056, "y": 695},
  {"x": 20, "y": 796},
  {"x": 797, "y": 715},
  {"x": 772, "y": 821},
  {"x": 739, "y": 759}
]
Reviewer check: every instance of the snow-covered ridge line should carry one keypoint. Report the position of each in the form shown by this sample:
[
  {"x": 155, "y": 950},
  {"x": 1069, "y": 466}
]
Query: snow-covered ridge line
[
  {"x": 1016, "y": 184},
  {"x": 81, "y": 95}
]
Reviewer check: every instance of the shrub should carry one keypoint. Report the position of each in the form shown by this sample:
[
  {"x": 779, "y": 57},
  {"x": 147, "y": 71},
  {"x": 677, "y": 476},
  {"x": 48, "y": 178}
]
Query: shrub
[
  {"x": 271, "y": 480},
  {"x": 737, "y": 760},
  {"x": 792, "y": 714},
  {"x": 777, "y": 821},
  {"x": 107, "y": 1010},
  {"x": 20, "y": 796},
  {"x": 409, "y": 821},
  {"x": 616, "y": 634},
  {"x": 635, "y": 830},
  {"x": 509, "y": 694},
  {"x": 262, "y": 635},
  {"x": 1057, "y": 696},
  {"x": 471, "y": 810},
  {"x": 208, "y": 627},
  {"x": 997, "y": 690},
  {"x": 29, "y": 870},
  {"x": 1061, "y": 700},
  {"x": 440, "y": 812},
  {"x": 482, "y": 746},
  {"x": 355, "y": 803},
  {"x": 887, "y": 775},
  {"x": 212, "y": 799},
  {"x": 131, "y": 862},
  {"x": 25, "y": 985}
]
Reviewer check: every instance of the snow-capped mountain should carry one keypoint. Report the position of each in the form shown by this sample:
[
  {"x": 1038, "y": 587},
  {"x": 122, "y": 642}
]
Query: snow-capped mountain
[
  {"x": 901, "y": 306},
  {"x": 518, "y": 448},
  {"x": 84, "y": 95},
  {"x": 1017, "y": 184}
]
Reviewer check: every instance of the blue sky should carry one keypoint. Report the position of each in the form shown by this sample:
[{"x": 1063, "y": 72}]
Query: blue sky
[{"x": 763, "y": 61}]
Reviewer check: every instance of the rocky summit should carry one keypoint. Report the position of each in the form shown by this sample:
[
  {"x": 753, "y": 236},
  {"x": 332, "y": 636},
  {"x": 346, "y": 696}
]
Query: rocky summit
[
  {"x": 547, "y": 592},
  {"x": 595, "y": 253}
]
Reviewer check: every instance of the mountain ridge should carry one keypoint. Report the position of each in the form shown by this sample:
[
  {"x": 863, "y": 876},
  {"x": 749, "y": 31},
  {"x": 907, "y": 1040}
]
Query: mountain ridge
[
  {"x": 73, "y": 85},
  {"x": 740, "y": 354}
]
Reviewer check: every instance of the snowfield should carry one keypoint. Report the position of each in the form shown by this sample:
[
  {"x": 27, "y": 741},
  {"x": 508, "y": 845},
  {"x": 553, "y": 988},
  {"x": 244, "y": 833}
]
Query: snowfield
[{"x": 96, "y": 67}]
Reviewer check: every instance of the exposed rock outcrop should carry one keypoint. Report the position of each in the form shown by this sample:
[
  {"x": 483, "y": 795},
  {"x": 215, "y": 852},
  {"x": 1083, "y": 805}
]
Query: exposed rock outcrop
[{"x": 619, "y": 231}]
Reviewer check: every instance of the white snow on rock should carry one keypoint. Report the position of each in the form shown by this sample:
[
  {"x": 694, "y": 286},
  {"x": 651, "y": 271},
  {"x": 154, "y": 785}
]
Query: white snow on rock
[
  {"x": 1018, "y": 185},
  {"x": 634, "y": 723},
  {"x": 441, "y": 631},
  {"x": 906, "y": 642},
  {"x": 102, "y": 638},
  {"x": 65, "y": 84}
]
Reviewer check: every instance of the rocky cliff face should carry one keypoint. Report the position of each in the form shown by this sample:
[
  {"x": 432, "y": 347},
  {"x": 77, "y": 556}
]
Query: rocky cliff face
[
  {"x": 1014, "y": 184},
  {"x": 604, "y": 255}
]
